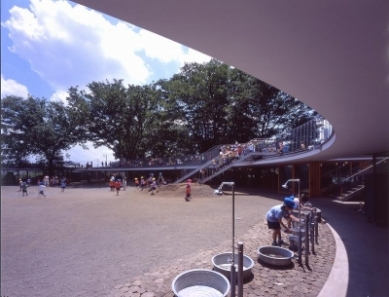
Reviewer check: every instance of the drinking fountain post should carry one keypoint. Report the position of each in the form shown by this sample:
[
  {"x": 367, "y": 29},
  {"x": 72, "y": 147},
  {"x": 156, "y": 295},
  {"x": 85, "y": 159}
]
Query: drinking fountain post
[
  {"x": 316, "y": 227},
  {"x": 306, "y": 240},
  {"x": 240, "y": 269},
  {"x": 312, "y": 230},
  {"x": 233, "y": 279},
  {"x": 285, "y": 185},
  {"x": 233, "y": 274}
]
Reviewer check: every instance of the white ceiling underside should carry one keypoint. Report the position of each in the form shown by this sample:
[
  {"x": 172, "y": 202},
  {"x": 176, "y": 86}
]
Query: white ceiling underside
[{"x": 333, "y": 55}]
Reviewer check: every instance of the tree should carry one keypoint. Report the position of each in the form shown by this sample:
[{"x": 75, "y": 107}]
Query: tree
[
  {"x": 37, "y": 127},
  {"x": 199, "y": 94},
  {"x": 123, "y": 119},
  {"x": 262, "y": 110}
]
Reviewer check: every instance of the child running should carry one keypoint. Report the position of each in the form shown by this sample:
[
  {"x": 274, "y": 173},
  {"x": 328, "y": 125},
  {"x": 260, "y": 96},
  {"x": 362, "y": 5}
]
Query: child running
[
  {"x": 41, "y": 189},
  {"x": 153, "y": 186},
  {"x": 24, "y": 188}
]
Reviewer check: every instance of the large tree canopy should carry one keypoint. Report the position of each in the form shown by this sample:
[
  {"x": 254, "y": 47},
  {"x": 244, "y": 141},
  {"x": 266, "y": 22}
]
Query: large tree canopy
[
  {"x": 37, "y": 127},
  {"x": 202, "y": 106}
]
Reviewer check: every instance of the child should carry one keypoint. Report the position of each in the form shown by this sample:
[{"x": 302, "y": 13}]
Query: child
[
  {"x": 160, "y": 178},
  {"x": 137, "y": 183},
  {"x": 188, "y": 190},
  {"x": 20, "y": 185},
  {"x": 63, "y": 184},
  {"x": 153, "y": 186},
  {"x": 118, "y": 184},
  {"x": 24, "y": 188},
  {"x": 305, "y": 204},
  {"x": 41, "y": 189},
  {"x": 142, "y": 183},
  {"x": 274, "y": 220},
  {"x": 112, "y": 183}
]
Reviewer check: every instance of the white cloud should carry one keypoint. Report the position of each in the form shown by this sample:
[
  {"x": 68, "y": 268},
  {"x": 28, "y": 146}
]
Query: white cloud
[
  {"x": 60, "y": 96},
  {"x": 11, "y": 87},
  {"x": 72, "y": 45}
]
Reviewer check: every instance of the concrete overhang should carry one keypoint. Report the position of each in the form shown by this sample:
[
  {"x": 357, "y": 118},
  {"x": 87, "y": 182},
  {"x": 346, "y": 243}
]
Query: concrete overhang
[{"x": 332, "y": 55}]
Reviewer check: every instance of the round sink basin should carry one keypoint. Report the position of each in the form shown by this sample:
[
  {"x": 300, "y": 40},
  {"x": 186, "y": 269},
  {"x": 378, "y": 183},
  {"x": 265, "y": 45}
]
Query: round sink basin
[
  {"x": 222, "y": 263},
  {"x": 200, "y": 282},
  {"x": 275, "y": 255}
]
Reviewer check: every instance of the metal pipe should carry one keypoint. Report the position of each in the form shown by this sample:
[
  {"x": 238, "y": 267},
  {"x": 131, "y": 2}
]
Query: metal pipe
[
  {"x": 316, "y": 227},
  {"x": 312, "y": 231},
  {"x": 233, "y": 279},
  {"x": 233, "y": 223},
  {"x": 240, "y": 269},
  {"x": 300, "y": 224},
  {"x": 233, "y": 274},
  {"x": 306, "y": 241},
  {"x": 299, "y": 242}
]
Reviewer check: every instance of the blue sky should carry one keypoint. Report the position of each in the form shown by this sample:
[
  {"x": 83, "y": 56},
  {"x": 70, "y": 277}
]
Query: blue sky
[{"x": 48, "y": 46}]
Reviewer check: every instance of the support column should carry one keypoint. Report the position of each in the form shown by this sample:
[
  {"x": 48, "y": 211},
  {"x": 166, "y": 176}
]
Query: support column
[{"x": 314, "y": 179}]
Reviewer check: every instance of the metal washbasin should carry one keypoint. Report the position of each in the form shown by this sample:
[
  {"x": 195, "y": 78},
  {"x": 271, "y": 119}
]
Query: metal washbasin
[
  {"x": 200, "y": 282},
  {"x": 222, "y": 264},
  {"x": 275, "y": 255}
]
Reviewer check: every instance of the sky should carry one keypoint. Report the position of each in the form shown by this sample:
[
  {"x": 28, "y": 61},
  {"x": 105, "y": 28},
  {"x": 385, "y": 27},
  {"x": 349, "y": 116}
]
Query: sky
[{"x": 48, "y": 46}]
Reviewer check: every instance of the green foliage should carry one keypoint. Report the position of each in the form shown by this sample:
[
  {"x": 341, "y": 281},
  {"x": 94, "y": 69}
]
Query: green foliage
[
  {"x": 202, "y": 106},
  {"x": 34, "y": 126}
]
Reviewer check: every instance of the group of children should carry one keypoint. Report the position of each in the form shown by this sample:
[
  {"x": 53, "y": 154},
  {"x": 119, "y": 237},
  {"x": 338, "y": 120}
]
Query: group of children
[
  {"x": 41, "y": 186},
  {"x": 115, "y": 184},
  {"x": 150, "y": 183}
]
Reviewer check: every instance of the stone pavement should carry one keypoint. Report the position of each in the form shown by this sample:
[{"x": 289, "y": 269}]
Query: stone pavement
[
  {"x": 294, "y": 280},
  {"x": 100, "y": 244}
]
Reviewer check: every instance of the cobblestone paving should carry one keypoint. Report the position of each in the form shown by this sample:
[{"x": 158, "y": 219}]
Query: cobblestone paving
[{"x": 294, "y": 280}]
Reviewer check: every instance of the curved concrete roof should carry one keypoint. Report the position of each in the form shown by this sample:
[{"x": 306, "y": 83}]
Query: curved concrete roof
[{"x": 332, "y": 55}]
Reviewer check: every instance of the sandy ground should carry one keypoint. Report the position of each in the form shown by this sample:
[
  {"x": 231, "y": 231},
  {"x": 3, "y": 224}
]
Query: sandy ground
[{"x": 84, "y": 241}]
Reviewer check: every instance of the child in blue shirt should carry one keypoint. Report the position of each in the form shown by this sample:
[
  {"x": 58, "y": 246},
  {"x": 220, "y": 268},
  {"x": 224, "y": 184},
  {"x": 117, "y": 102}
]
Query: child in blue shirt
[{"x": 274, "y": 219}]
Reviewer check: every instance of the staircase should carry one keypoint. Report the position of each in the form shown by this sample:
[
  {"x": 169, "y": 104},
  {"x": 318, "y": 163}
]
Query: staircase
[
  {"x": 210, "y": 173},
  {"x": 354, "y": 184},
  {"x": 351, "y": 192}
]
